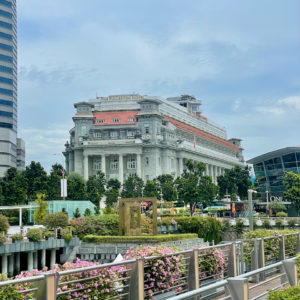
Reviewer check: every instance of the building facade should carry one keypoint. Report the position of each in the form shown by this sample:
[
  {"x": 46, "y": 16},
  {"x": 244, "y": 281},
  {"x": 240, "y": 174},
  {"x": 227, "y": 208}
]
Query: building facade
[
  {"x": 131, "y": 134},
  {"x": 9, "y": 145},
  {"x": 270, "y": 167}
]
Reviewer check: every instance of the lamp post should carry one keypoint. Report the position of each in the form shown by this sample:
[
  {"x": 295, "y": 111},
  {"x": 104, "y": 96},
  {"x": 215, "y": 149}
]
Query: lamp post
[
  {"x": 161, "y": 198},
  {"x": 250, "y": 192},
  {"x": 267, "y": 195}
]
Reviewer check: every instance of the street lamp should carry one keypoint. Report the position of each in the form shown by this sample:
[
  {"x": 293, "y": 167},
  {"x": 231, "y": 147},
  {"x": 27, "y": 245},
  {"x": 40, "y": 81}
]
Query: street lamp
[
  {"x": 161, "y": 198},
  {"x": 250, "y": 192},
  {"x": 267, "y": 195}
]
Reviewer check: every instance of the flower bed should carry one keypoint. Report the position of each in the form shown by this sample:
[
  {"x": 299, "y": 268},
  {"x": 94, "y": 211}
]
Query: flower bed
[{"x": 161, "y": 274}]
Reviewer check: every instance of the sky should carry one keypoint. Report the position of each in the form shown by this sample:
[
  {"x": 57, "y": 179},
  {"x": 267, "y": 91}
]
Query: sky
[{"x": 240, "y": 58}]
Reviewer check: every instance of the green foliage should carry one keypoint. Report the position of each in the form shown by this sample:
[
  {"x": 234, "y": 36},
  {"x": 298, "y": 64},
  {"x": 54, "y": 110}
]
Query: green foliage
[
  {"x": 292, "y": 224},
  {"x": 235, "y": 181},
  {"x": 151, "y": 189},
  {"x": 279, "y": 223},
  {"x": 55, "y": 220},
  {"x": 76, "y": 213},
  {"x": 111, "y": 196},
  {"x": 4, "y": 225},
  {"x": 87, "y": 212},
  {"x": 194, "y": 187},
  {"x": 291, "y": 182},
  {"x": 239, "y": 226},
  {"x": 139, "y": 239},
  {"x": 132, "y": 187},
  {"x": 208, "y": 228},
  {"x": 13, "y": 220},
  {"x": 97, "y": 225},
  {"x": 48, "y": 234},
  {"x": 288, "y": 293},
  {"x": 108, "y": 210},
  {"x": 95, "y": 187},
  {"x": 167, "y": 185},
  {"x": 11, "y": 291},
  {"x": 34, "y": 235},
  {"x": 281, "y": 214},
  {"x": 76, "y": 187},
  {"x": 17, "y": 237},
  {"x": 267, "y": 224},
  {"x": 277, "y": 207},
  {"x": 66, "y": 234},
  {"x": 41, "y": 211}
]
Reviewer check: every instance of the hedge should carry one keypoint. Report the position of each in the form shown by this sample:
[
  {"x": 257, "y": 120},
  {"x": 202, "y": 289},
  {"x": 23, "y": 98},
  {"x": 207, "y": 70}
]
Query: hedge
[
  {"x": 289, "y": 293},
  {"x": 139, "y": 239}
]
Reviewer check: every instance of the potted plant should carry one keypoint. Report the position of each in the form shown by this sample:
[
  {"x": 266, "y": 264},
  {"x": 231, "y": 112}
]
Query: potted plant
[
  {"x": 34, "y": 235},
  {"x": 17, "y": 238},
  {"x": 49, "y": 235}
]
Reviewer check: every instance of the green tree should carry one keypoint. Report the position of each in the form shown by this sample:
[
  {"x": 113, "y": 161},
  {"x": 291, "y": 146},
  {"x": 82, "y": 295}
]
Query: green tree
[
  {"x": 235, "y": 181},
  {"x": 194, "y": 187},
  {"x": 76, "y": 213},
  {"x": 87, "y": 212},
  {"x": 41, "y": 211},
  {"x": 112, "y": 191},
  {"x": 151, "y": 189},
  {"x": 113, "y": 184},
  {"x": 95, "y": 188},
  {"x": 168, "y": 187},
  {"x": 14, "y": 187},
  {"x": 37, "y": 179},
  {"x": 132, "y": 187},
  {"x": 58, "y": 169},
  {"x": 291, "y": 182},
  {"x": 76, "y": 187}
]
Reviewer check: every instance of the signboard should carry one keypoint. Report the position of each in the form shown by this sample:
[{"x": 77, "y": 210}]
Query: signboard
[{"x": 63, "y": 188}]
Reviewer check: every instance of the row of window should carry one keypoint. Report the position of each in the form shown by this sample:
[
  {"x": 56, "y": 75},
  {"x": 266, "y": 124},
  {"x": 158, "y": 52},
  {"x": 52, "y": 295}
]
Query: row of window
[
  {"x": 6, "y": 36},
  {"x": 6, "y": 102},
  {"x": 6, "y": 80},
  {"x": 115, "y": 120},
  {"x": 6, "y": 47},
  {"x": 6, "y": 3},
  {"x": 5, "y": 14},
  {"x": 6, "y": 69},
  {"x": 6, "y": 58},
  {"x": 114, "y": 134},
  {"x": 6, "y": 125},
  {"x": 6, "y": 92},
  {"x": 114, "y": 164},
  {"x": 6, "y": 114},
  {"x": 5, "y": 25}
]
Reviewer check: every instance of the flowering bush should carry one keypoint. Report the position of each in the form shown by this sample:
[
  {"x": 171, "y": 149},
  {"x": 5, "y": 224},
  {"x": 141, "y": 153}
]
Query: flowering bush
[
  {"x": 160, "y": 274},
  {"x": 96, "y": 225},
  {"x": 102, "y": 286},
  {"x": 10, "y": 292},
  {"x": 211, "y": 264}
]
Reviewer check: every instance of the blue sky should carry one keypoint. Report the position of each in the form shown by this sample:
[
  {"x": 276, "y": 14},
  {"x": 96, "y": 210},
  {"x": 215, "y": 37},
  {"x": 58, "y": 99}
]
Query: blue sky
[{"x": 241, "y": 58}]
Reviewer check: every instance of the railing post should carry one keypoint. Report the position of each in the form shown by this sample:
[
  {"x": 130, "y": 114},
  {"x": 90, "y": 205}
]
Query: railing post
[
  {"x": 238, "y": 288},
  {"x": 47, "y": 287},
  {"x": 193, "y": 275},
  {"x": 282, "y": 247},
  {"x": 254, "y": 260},
  {"x": 298, "y": 243},
  {"x": 291, "y": 270},
  {"x": 261, "y": 257},
  {"x": 232, "y": 261},
  {"x": 136, "y": 285}
]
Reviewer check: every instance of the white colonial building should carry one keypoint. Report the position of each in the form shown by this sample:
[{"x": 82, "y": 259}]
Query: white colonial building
[{"x": 148, "y": 136}]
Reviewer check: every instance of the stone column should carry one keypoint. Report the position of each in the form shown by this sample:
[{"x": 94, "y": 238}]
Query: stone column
[
  {"x": 35, "y": 260},
  {"x": 43, "y": 258},
  {"x": 138, "y": 165},
  {"x": 103, "y": 164},
  {"x": 11, "y": 265},
  {"x": 180, "y": 166},
  {"x": 52, "y": 258},
  {"x": 121, "y": 171},
  {"x": 206, "y": 170},
  {"x": 20, "y": 218},
  {"x": 214, "y": 174},
  {"x": 85, "y": 166},
  {"x": 17, "y": 263},
  {"x": 30, "y": 261},
  {"x": 4, "y": 264}
]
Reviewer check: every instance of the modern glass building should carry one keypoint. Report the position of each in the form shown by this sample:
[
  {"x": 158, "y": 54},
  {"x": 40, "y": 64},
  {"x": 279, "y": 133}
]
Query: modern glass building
[
  {"x": 269, "y": 169},
  {"x": 9, "y": 144}
]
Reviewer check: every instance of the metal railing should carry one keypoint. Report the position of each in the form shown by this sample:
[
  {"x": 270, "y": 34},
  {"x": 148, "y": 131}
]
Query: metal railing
[{"x": 128, "y": 279}]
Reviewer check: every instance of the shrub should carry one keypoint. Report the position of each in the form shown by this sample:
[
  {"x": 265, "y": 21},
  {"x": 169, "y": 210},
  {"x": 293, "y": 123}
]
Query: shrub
[
  {"x": 139, "y": 239},
  {"x": 87, "y": 212},
  {"x": 281, "y": 214},
  {"x": 108, "y": 210},
  {"x": 160, "y": 274},
  {"x": 211, "y": 263},
  {"x": 267, "y": 224},
  {"x": 65, "y": 233},
  {"x": 17, "y": 237},
  {"x": 55, "y": 220},
  {"x": 225, "y": 225},
  {"x": 34, "y": 235},
  {"x": 48, "y": 234},
  {"x": 239, "y": 226},
  {"x": 10, "y": 292},
  {"x": 276, "y": 207},
  {"x": 4, "y": 225},
  {"x": 97, "y": 225},
  {"x": 292, "y": 223},
  {"x": 289, "y": 293},
  {"x": 208, "y": 228},
  {"x": 279, "y": 224},
  {"x": 13, "y": 220}
]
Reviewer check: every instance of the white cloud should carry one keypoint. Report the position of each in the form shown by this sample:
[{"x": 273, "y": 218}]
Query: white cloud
[
  {"x": 277, "y": 111},
  {"x": 291, "y": 102},
  {"x": 236, "y": 105}
]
